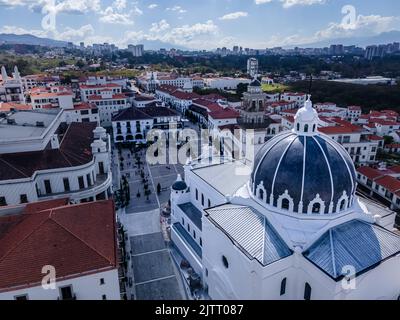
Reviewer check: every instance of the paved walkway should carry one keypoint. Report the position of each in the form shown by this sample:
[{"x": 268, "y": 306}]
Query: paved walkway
[{"x": 153, "y": 272}]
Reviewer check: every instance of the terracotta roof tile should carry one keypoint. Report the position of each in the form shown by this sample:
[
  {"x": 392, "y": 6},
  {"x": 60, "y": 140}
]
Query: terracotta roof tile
[{"x": 75, "y": 239}]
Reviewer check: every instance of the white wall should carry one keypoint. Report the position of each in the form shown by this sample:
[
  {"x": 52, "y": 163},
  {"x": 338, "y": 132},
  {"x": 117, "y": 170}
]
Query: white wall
[{"x": 85, "y": 287}]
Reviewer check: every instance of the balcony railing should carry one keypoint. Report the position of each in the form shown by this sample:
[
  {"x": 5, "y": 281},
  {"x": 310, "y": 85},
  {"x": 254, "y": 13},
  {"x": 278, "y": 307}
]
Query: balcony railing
[{"x": 103, "y": 181}]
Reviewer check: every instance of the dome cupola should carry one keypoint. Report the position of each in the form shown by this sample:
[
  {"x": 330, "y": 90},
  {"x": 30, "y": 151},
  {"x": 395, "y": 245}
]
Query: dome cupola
[
  {"x": 303, "y": 171},
  {"x": 179, "y": 184},
  {"x": 306, "y": 119}
]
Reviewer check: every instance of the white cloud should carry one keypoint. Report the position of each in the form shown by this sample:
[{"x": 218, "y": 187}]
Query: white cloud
[
  {"x": 177, "y": 9},
  {"x": 152, "y": 6},
  {"x": 198, "y": 35},
  {"x": 262, "y": 1},
  {"x": 68, "y": 34},
  {"x": 119, "y": 4},
  {"x": 161, "y": 26},
  {"x": 362, "y": 26},
  {"x": 234, "y": 15},
  {"x": 112, "y": 17},
  {"x": 19, "y": 31},
  {"x": 71, "y": 34},
  {"x": 292, "y": 3},
  {"x": 117, "y": 13}
]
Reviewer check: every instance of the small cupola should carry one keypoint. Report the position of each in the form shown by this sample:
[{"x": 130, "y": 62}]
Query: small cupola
[{"x": 306, "y": 119}]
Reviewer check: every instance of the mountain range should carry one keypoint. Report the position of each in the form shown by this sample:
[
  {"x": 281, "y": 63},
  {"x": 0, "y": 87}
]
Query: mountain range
[
  {"x": 383, "y": 38},
  {"x": 30, "y": 40}
]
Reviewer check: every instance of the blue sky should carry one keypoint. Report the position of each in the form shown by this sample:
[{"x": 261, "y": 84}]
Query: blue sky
[{"x": 200, "y": 24}]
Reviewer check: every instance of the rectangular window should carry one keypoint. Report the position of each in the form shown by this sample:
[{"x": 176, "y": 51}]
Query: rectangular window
[
  {"x": 84, "y": 112},
  {"x": 23, "y": 198},
  {"x": 47, "y": 186},
  {"x": 89, "y": 179},
  {"x": 101, "y": 167},
  {"x": 197, "y": 195},
  {"x": 21, "y": 297},
  {"x": 104, "y": 297},
  {"x": 307, "y": 292},
  {"x": 81, "y": 183},
  {"x": 66, "y": 185},
  {"x": 283, "y": 287},
  {"x": 102, "y": 281},
  {"x": 3, "y": 201},
  {"x": 66, "y": 293}
]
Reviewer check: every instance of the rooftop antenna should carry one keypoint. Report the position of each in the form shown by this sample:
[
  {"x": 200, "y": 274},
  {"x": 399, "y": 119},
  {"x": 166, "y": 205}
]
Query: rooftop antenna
[{"x": 310, "y": 86}]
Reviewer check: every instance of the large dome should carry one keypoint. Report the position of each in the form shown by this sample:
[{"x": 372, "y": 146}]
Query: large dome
[{"x": 304, "y": 172}]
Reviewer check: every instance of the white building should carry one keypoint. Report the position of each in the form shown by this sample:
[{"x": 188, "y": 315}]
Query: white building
[
  {"x": 354, "y": 112},
  {"x": 382, "y": 183},
  {"x": 51, "y": 98},
  {"x": 38, "y": 237},
  {"x": 133, "y": 124},
  {"x": 11, "y": 88},
  {"x": 88, "y": 90},
  {"x": 252, "y": 67},
  {"x": 289, "y": 226},
  {"x": 136, "y": 50},
  {"x": 45, "y": 158},
  {"x": 225, "y": 83},
  {"x": 155, "y": 79},
  {"x": 108, "y": 104},
  {"x": 299, "y": 98}
]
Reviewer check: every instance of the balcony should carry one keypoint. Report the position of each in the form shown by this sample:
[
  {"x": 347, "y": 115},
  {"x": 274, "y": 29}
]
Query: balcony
[{"x": 103, "y": 182}]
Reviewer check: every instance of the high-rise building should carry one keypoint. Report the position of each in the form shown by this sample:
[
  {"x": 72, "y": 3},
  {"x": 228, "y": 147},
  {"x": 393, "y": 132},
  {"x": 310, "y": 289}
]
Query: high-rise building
[
  {"x": 252, "y": 67},
  {"x": 137, "y": 51}
]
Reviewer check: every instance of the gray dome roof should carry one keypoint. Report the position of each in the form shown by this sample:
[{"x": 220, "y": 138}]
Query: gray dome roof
[
  {"x": 310, "y": 174},
  {"x": 179, "y": 185},
  {"x": 255, "y": 83}
]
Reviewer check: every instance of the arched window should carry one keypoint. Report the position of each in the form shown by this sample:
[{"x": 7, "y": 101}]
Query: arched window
[
  {"x": 314, "y": 127},
  {"x": 202, "y": 200},
  {"x": 225, "y": 262},
  {"x": 307, "y": 291},
  {"x": 209, "y": 203},
  {"x": 283, "y": 287},
  {"x": 285, "y": 204},
  {"x": 298, "y": 127},
  {"x": 316, "y": 208},
  {"x": 342, "y": 205},
  {"x": 261, "y": 194},
  {"x": 306, "y": 128}
]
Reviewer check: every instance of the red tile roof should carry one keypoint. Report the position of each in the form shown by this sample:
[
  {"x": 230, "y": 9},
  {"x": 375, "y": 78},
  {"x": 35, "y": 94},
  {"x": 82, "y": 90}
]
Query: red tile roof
[
  {"x": 7, "y": 106},
  {"x": 375, "y": 138},
  {"x": 224, "y": 113},
  {"x": 75, "y": 150},
  {"x": 371, "y": 173},
  {"x": 76, "y": 239},
  {"x": 100, "y": 86},
  {"x": 390, "y": 183},
  {"x": 184, "y": 95},
  {"x": 339, "y": 130},
  {"x": 84, "y": 106},
  {"x": 392, "y": 146},
  {"x": 355, "y": 108}
]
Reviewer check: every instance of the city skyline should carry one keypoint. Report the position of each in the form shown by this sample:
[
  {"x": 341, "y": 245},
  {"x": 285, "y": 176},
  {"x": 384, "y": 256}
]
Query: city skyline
[{"x": 205, "y": 25}]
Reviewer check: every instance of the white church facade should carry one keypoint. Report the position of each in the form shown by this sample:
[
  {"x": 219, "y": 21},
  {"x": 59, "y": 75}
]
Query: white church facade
[{"x": 288, "y": 226}]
